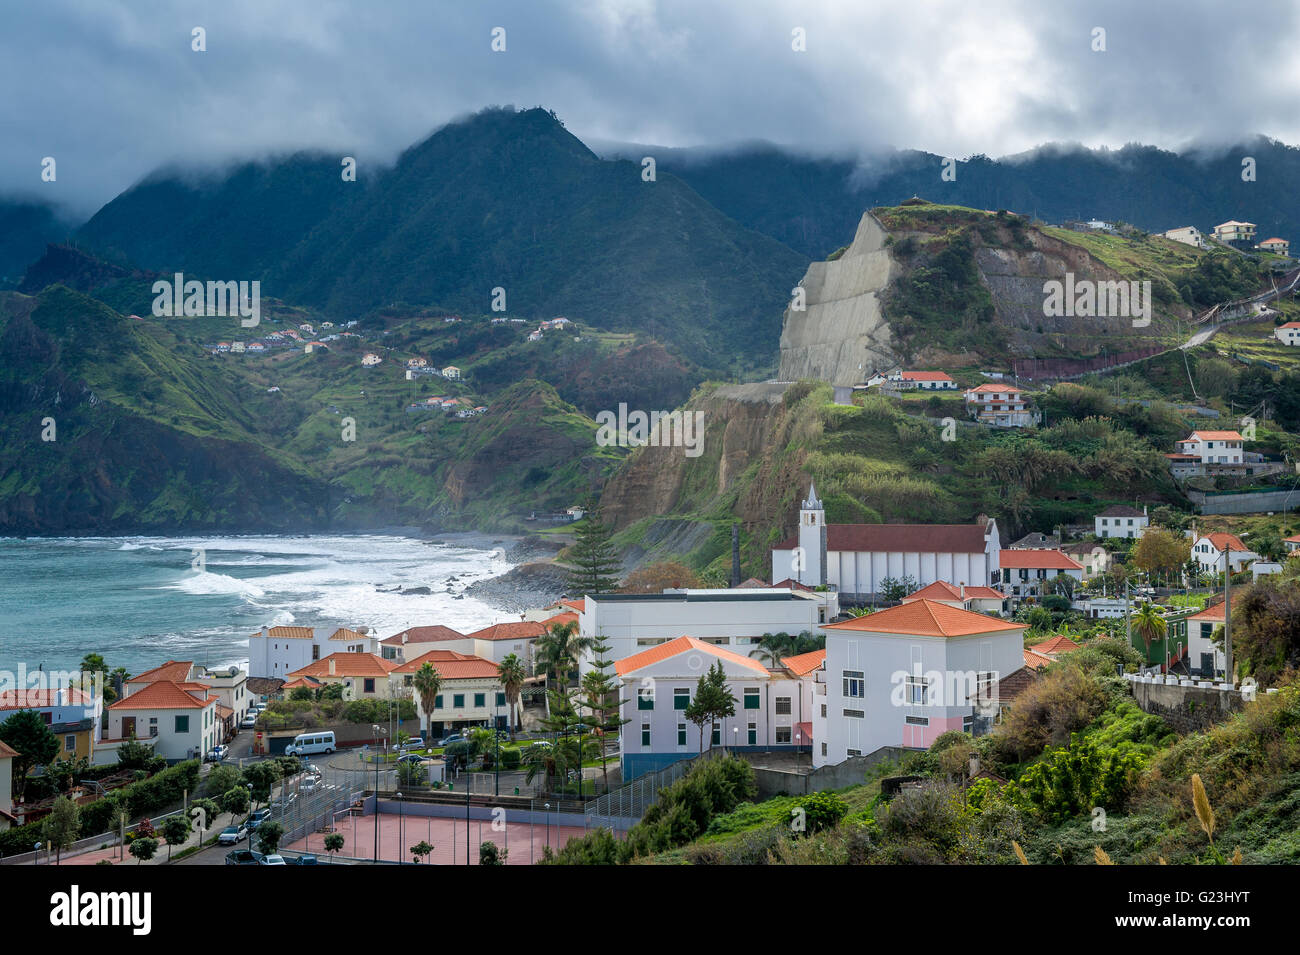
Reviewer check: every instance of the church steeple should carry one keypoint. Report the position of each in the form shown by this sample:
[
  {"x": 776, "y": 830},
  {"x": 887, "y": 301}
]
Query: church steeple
[
  {"x": 810, "y": 561},
  {"x": 812, "y": 504}
]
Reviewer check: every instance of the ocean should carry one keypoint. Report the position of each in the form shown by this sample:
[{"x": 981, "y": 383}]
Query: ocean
[{"x": 141, "y": 601}]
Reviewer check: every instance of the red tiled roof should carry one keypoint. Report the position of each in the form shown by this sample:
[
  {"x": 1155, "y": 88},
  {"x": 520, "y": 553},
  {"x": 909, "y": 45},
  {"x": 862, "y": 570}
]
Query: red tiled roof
[
  {"x": 32, "y": 699},
  {"x": 1037, "y": 660},
  {"x": 1222, "y": 541},
  {"x": 925, "y": 376},
  {"x": 223, "y": 711},
  {"x": 343, "y": 633},
  {"x": 1216, "y": 436},
  {"x": 804, "y": 662},
  {"x": 452, "y": 665},
  {"x": 994, "y": 390},
  {"x": 175, "y": 670},
  {"x": 1037, "y": 559},
  {"x": 560, "y": 619},
  {"x": 1013, "y": 684},
  {"x": 423, "y": 635},
  {"x": 347, "y": 665},
  {"x": 306, "y": 681},
  {"x": 942, "y": 590},
  {"x": 1214, "y": 613},
  {"x": 1294, "y": 538},
  {"x": 163, "y": 695},
  {"x": 1290, "y": 325},
  {"x": 672, "y": 648},
  {"x": 518, "y": 630},
  {"x": 291, "y": 633},
  {"x": 753, "y": 583},
  {"x": 789, "y": 583},
  {"x": 1057, "y": 644},
  {"x": 909, "y": 538},
  {"x": 927, "y": 618}
]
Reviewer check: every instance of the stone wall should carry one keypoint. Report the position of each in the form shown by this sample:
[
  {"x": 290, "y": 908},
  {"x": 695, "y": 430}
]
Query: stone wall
[{"x": 1188, "y": 709}]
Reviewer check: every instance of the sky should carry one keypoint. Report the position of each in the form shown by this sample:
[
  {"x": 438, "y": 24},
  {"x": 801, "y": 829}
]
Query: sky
[{"x": 113, "y": 89}]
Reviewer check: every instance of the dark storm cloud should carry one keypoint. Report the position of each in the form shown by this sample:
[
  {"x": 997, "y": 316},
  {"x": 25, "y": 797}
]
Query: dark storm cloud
[{"x": 113, "y": 90}]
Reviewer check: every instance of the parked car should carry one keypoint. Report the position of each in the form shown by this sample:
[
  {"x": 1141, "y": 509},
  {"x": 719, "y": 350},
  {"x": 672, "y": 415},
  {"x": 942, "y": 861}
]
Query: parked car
[
  {"x": 249, "y": 721},
  {"x": 453, "y": 738},
  {"x": 243, "y": 857},
  {"x": 257, "y": 818},
  {"x": 301, "y": 860},
  {"x": 412, "y": 758},
  {"x": 414, "y": 743},
  {"x": 283, "y": 802},
  {"x": 271, "y": 860},
  {"x": 217, "y": 753},
  {"x": 232, "y": 835}
]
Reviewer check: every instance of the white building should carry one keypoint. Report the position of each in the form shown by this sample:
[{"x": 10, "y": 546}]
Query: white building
[
  {"x": 923, "y": 381},
  {"x": 903, "y": 676},
  {"x": 278, "y": 651},
  {"x": 1209, "y": 549},
  {"x": 1213, "y": 447},
  {"x": 1033, "y": 573},
  {"x": 659, "y": 683},
  {"x": 179, "y": 718},
  {"x": 451, "y": 372},
  {"x": 856, "y": 558},
  {"x": 1120, "y": 521},
  {"x": 977, "y": 598},
  {"x": 1000, "y": 406},
  {"x": 1203, "y": 657},
  {"x": 1288, "y": 334},
  {"x": 362, "y": 675},
  {"x": 370, "y": 358},
  {"x": 735, "y": 619},
  {"x": 470, "y": 695},
  {"x": 1188, "y": 235}
]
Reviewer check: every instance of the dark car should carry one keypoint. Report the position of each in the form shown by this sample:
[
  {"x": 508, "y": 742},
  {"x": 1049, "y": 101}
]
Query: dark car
[
  {"x": 300, "y": 860},
  {"x": 243, "y": 857},
  {"x": 257, "y": 818}
]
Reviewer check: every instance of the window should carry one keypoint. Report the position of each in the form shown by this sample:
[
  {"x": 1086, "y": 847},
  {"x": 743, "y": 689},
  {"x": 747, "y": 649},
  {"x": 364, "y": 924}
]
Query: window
[
  {"x": 915, "y": 690},
  {"x": 918, "y": 721},
  {"x": 752, "y": 695},
  {"x": 717, "y": 734},
  {"x": 182, "y": 724},
  {"x": 681, "y": 734},
  {"x": 681, "y": 698},
  {"x": 852, "y": 752},
  {"x": 645, "y": 698},
  {"x": 967, "y": 724},
  {"x": 855, "y": 687},
  {"x": 854, "y": 714},
  {"x": 437, "y": 702},
  {"x": 645, "y": 735},
  {"x": 458, "y": 700},
  {"x": 783, "y": 706},
  {"x": 823, "y": 748},
  {"x": 823, "y": 711},
  {"x": 368, "y": 685},
  {"x": 480, "y": 700},
  {"x": 783, "y": 734},
  {"x": 752, "y": 734},
  {"x": 70, "y": 744},
  {"x": 501, "y": 699}
]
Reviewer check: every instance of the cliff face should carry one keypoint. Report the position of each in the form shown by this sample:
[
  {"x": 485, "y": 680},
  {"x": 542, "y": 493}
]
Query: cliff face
[{"x": 842, "y": 335}]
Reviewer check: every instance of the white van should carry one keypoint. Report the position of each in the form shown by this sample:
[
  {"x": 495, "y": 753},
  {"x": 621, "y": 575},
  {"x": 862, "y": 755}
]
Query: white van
[{"x": 306, "y": 743}]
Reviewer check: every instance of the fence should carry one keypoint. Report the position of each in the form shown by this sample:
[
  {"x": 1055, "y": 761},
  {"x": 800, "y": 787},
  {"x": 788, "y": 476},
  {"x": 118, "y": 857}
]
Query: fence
[{"x": 631, "y": 800}]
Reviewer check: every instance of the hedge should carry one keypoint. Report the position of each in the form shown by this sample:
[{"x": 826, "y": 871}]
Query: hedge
[{"x": 158, "y": 792}]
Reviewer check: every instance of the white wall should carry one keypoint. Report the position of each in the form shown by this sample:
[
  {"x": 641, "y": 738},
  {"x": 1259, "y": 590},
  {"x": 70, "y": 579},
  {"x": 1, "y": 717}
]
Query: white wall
[{"x": 201, "y": 736}]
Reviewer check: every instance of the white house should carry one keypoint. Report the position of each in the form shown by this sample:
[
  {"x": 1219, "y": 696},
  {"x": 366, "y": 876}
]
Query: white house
[
  {"x": 903, "y": 676},
  {"x": 735, "y": 619},
  {"x": 1213, "y": 447},
  {"x": 1000, "y": 406},
  {"x": 1292, "y": 543},
  {"x": 370, "y": 358},
  {"x": 1120, "y": 521},
  {"x": 1208, "y": 551},
  {"x": 180, "y": 719},
  {"x": 659, "y": 683},
  {"x": 451, "y": 372},
  {"x": 362, "y": 675},
  {"x": 1203, "y": 657},
  {"x": 413, "y": 641},
  {"x": 1033, "y": 573},
  {"x": 1288, "y": 334},
  {"x": 1234, "y": 231},
  {"x": 278, "y": 651},
  {"x": 977, "y": 598},
  {"x": 924, "y": 381},
  {"x": 856, "y": 558},
  {"x": 416, "y": 363},
  {"x": 1188, "y": 235},
  {"x": 1276, "y": 246},
  {"x": 471, "y": 693}
]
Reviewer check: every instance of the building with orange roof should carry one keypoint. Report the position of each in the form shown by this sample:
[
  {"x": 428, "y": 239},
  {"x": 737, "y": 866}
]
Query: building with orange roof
[
  {"x": 1208, "y": 551},
  {"x": 1209, "y": 452},
  {"x": 904, "y": 675},
  {"x": 179, "y": 718},
  {"x": 413, "y": 641},
  {"x": 1205, "y": 657},
  {"x": 363, "y": 675},
  {"x": 924, "y": 381},
  {"x": 660, "y": 681},
  {"x": 471, "y": 693},
  {"x": 72, "y": 713},
  {"x": 274, "y": 652},
  {"x": 979, "y": 599},
  {"x": 1053, "y": 647},
  {"x": 1288, "y": 333},
  {"x": 1033, "y": 573},
  {"x": 999, "y": 406}
]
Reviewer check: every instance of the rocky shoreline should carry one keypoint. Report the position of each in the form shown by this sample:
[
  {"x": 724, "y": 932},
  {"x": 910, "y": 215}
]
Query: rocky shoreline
[{"x": 535, "y": 581}]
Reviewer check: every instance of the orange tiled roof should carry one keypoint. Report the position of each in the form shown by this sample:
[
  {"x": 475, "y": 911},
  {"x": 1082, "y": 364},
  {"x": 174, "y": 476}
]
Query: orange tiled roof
[
  {"x": 7, "y": 751},
  {"x": 163, "y": 695},
  {"x": 1036, "y": 660},
  {"x": 1294, "y": 538},
  {"x": 804, "y": 662},
  {"x": 452, "y": 665},
  {"x": 1222, "y": 541},
  {"x": 927, "y": 618},
  {"x": 223, "y": 711},
  {"x": 939, "y": 590},
  {"x": 347, "y": 665},
  {"x": 994, "y": 389},
  {"x": 1037, "y": 559},
  {"x": 1216, "y": 436},
  {"x": 560, "y": 619},
  {"x": 672, "y": 648},
  {"x": 343, "y": 633},
  {"x": 1215, "y": 613},
  {"x": 925, "y": 376},
  {"x": 175, "y": 670},
  {"x": 1057, "y": 644},
  {"x": 291, "y": 633},
  {"x": 422, "y": 635},
  {"x": 518, "y": 630},
  {"x": 32, "y": 699}
]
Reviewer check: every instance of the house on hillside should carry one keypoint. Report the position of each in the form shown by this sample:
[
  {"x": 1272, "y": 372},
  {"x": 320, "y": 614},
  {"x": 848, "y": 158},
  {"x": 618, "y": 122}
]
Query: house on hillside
[
  {"x": 370, "y": 358},
  {"x": 1288, "y": 334},
  {"x": 362, "y": 675},
  {"x": 451, "y": 373},
  {"x": 1000, "y": 406},
  {"x": 1033, "y": 573},
  {"x": 854, "y": 559},
  {"x": 924, "y": 381},
  {"x": 1188, "y": 235},
  {"x": 1205, "y": 658},
  {"x": 1208, "y": 453},
  {"x": 1292, "y": 544},
  {"x": 1276, "y": 246},
  {"x": 535, "y": 335},
  {"x": 238, "y": 348},
  {"x": 905, "y": 675},
  {"x": 181, "y": 719},
  {"x": 1235, "y": 233},
  {"x": 1090, "y": 555},
  {"x": 1208, "y": 552},
  {"x": 1120, "y": 521},
  {"x": 416, "y": 363}
]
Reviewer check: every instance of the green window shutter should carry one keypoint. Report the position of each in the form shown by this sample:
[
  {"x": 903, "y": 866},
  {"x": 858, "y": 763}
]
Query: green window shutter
[
  {"x": 753, "y": 737},
  {"x": 751, "y": 700},
  {"x": 458, "y": 700},
  {"x": 645, "y": 702},
  {"x": 681, "y": 700},
  {"x": 480, "y": 699},
  {"x": 437, "y": 702},
  {"x": 501, "y": 699},
  {"x": 681, "y": 736}
]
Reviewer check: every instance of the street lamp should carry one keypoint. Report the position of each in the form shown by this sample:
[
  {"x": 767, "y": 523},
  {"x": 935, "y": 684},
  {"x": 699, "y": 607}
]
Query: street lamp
[
  {"x": 735, "y": 738},
  {"x": 36, "y": 854}
]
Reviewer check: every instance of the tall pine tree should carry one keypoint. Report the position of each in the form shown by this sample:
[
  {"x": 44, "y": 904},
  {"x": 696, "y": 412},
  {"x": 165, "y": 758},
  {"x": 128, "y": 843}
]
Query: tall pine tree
[{"x": 595, "y": 561}]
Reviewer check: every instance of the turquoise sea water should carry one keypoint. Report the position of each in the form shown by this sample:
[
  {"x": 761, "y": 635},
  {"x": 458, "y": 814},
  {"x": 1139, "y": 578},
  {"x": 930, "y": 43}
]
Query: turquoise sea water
[{"x": 139, "y": 601}]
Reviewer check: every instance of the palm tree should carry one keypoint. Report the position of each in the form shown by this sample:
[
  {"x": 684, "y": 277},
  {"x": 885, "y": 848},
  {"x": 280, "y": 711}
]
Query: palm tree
[
  {"x": 1148, "y": 624},
  {"x": 427, "y": 683},
  {"x": 511, "y": 674},
  {"x": 772, "y": 647},
  {"x": 559, "y": 649}
]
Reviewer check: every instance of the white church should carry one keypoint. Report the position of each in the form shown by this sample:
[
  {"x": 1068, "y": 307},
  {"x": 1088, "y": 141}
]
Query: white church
[{"x": 855, "y": 558}]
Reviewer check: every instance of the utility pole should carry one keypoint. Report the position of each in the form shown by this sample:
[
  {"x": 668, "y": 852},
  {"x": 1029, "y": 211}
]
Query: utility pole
[
  {"x": 1227, "y": 612},
  {"x": 1128, "y": 623}
]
